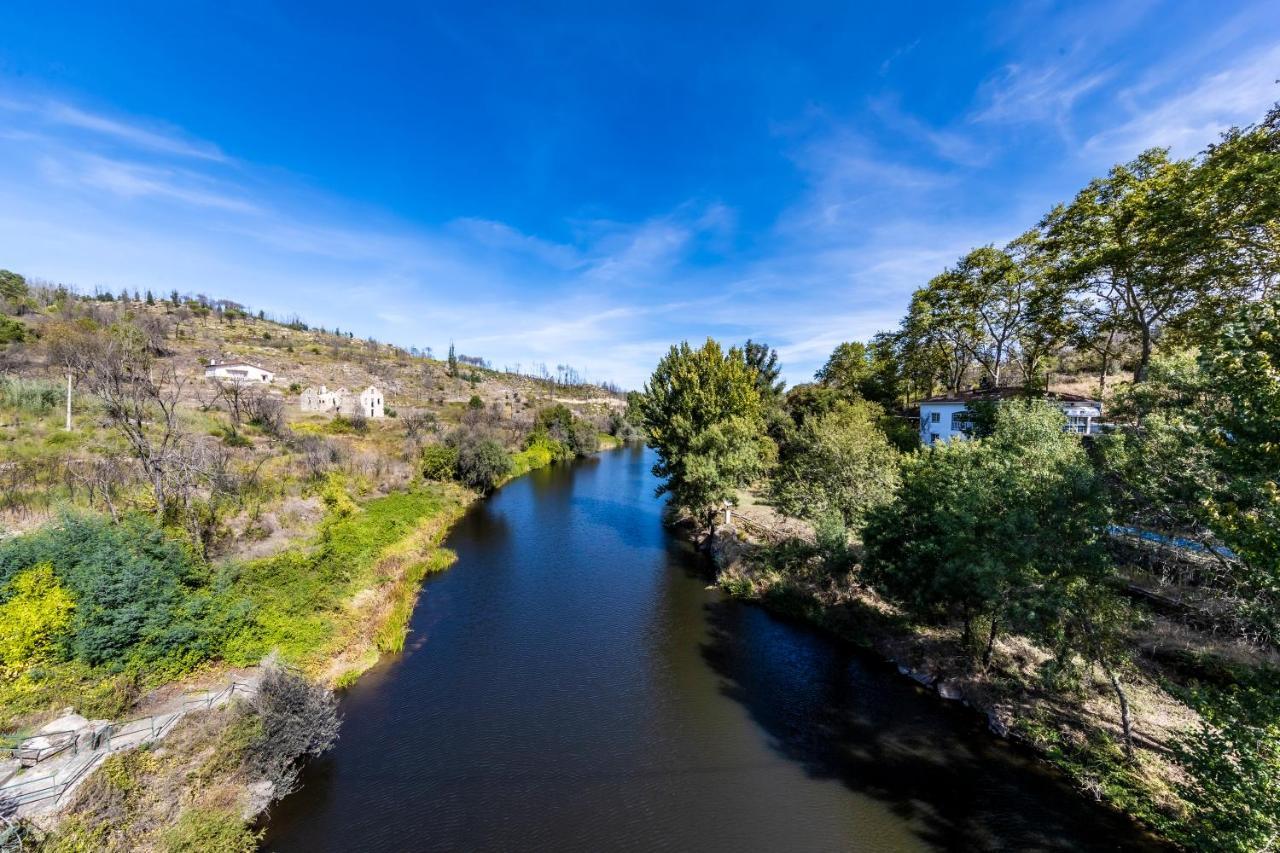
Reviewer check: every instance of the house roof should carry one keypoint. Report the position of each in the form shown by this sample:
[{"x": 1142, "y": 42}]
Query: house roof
[
  {"x": 234, "y": 363},
  {"x": 1006, "y": 392}
]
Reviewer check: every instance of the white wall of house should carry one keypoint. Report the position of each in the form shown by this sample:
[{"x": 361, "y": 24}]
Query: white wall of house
[
  {"x": 368, "y": 402},
  {"x": 944, "y": 420},
  {"x": 238, "y": 371}
]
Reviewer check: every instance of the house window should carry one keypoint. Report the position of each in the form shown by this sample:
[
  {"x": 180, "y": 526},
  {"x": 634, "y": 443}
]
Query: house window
[
  {"x": 962, "y": 422},
  {"x": 935, "y": 417},
  {"x": 1078, "y": 424},
  {"x": 933, "y": 437}
]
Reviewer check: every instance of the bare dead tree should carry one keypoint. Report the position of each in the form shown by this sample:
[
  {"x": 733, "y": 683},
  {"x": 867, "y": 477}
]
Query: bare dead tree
[{"x": 138, "y": 395}]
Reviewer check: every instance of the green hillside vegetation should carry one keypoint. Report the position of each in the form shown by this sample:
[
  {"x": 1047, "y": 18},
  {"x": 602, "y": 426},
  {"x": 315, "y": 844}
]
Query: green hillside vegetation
[{"x": 183, "y": 528}]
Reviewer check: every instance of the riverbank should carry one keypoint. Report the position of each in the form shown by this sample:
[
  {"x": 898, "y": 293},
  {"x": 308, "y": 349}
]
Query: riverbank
[
  {"x": 1078, "y": 733},
  {"x": 328, "y": 607}
]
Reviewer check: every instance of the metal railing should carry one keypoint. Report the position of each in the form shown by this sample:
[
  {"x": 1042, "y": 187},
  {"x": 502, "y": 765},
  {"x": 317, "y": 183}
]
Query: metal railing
[{"x": 23, "y": 790}]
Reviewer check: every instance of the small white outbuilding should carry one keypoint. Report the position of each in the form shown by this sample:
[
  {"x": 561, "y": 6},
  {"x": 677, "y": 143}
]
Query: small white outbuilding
[{"x": 237, "y": 371}]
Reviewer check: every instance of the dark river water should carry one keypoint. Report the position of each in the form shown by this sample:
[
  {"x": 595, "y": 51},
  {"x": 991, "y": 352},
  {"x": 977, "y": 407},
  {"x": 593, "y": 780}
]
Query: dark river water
[{"x": 572, "y": 684}]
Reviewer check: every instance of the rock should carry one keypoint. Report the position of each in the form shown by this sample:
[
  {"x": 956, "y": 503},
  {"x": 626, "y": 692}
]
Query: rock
[
  {"x": 918, "y": 677},
  {"x": 261, "y": 793},
  {"x": 68, "y": 722},
  {"x": 950, "y": 691},
  {"x": 996, "y": 725}
]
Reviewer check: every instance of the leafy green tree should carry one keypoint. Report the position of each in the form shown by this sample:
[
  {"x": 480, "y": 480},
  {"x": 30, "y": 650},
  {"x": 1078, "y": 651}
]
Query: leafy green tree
[
  {"x": 1232, "y": 764},
  {"x": 13, "y": 287},
  {"x": 1132, "y": 239},
  {"x": 839, "y": 464},
  {"x": 981, "y": 528},
  {"x": 704, "y": 416},
  {"x": 439, "y": 462},
  {"x": 452, "y": 361},
  {"x": 846, "y": 369},
  {"x": 482, "y": 463},
  {"x": 763, "y": 359}
]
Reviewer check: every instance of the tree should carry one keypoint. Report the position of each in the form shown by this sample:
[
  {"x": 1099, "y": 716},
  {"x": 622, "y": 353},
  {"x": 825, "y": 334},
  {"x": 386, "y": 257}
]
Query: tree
[
  {"x": 452, "y": 362},
  {"x": 704, "y": 416},
  {"x": 1131, "y": 240},
  {"x": 847, "y": 368},
  {"x": 139, "y": 397},
  {"x": 839, "y": 464},
  {"x": 763, "y": 359},
  {"x": 981, "y": 529},
  {"x": 987, "y": 295},
  {"x": 1232, "y": 762},
  {"x": 13, "y": 287}
]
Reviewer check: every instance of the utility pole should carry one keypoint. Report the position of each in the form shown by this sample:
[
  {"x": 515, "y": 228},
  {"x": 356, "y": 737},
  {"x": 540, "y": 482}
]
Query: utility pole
[{"x": 68, "y": 401}]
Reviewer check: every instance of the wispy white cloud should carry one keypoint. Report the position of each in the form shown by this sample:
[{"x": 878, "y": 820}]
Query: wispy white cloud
[{"x": 1190, "y": 117}]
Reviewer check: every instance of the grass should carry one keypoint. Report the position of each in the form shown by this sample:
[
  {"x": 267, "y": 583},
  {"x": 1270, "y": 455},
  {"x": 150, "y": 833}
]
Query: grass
[{"x": 307, "y": 599}]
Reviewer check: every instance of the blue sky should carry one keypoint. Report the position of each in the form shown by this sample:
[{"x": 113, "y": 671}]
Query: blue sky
[{"x": 584, "y": 183}]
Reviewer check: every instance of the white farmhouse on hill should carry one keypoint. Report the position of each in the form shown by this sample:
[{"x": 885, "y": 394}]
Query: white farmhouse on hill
[
  {"x": 237, "y": 371},
  {"x": 947, "y": 416},
  {"x": 340, "y": 401}
]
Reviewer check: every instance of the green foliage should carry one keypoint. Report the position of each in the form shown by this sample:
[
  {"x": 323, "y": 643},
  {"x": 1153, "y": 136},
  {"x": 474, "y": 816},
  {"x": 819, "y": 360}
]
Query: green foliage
[
  {"x": 33, "y": 617},
  {"x": 210, "y": 830},
  {"x": 33, "y": 396},
  {"x": 1232, "y": 762},
  {"x": 13, "y": 287},
  {"x": 994, "y": 528},
  {"x": 140, "y": 597},
  {"x": 1204, "y": 459},
  {"x": 838, "y": 464},
  {"x": 13, "y": 331},
  {"x": 482, "y": 463},
  {"x": 563, "y": 433},
  {"x": 704, "y": 416},
  {"x": 475, "y": 403},
  {"x": 439, "y": 462},
  {"x": 763, "y": 359},
  {"x": 298, "y": 595}
]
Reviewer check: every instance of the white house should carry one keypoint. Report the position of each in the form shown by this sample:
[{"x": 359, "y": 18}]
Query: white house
[
  {"x": 340, "y": 401},
  {"x": 237, "y": 371},
  {"x": 947, "y": 416}
]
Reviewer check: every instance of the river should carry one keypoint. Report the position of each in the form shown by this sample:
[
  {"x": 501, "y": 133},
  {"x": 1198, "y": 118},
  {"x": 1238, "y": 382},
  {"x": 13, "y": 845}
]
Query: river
[{"x": 572, "y": 684}]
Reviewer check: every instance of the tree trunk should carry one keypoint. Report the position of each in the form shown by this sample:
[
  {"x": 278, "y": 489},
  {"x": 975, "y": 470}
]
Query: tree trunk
[
  {"x": 991, "y": 642},
  {"x": 1140, "y": 375},
  {"x": 1126, "y": 724}
]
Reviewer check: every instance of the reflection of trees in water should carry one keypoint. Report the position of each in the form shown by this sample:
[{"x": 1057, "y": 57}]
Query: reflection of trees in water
[{"x": 847, "y": 718}]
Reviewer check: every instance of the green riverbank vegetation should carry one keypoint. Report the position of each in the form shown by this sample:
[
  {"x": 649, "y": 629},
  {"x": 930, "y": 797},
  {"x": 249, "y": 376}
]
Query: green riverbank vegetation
[
  {"x": 1109, "y": 599},
  {"x": 183, "y": 530}
]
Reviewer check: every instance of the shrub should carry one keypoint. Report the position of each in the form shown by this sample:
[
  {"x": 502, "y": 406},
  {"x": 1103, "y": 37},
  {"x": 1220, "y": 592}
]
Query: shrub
[
  {"x": 34, "y": 396},
  {"x": 439, "y": 462},
  {"x": 13, "y": 331},
  {"x": 299, "y": 721},
  {"x": 32, "y": 619},
  {"x": 482, "y": 464},
  {"x": 139, "y": 595},
  {"x": 209, "y": 830}
]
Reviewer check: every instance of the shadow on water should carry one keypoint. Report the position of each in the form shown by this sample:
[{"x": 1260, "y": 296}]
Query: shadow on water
[{"x": 844, "y": 715}]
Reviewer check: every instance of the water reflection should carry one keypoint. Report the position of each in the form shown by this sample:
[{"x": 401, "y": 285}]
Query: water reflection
[{"x": 580, "y": 688}]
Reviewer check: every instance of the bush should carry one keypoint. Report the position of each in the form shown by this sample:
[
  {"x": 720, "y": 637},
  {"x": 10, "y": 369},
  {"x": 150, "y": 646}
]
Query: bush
[
  {"x": 482, "y": 464},
  {"x": 207, "y": 830},
  {"x": 439, "y": 462},
  {"x": 139, "y": 595},
  {"x": 299, "y": 721},
  {"x": 34, "y": 396},
  {"x": 32, "y": 619}
]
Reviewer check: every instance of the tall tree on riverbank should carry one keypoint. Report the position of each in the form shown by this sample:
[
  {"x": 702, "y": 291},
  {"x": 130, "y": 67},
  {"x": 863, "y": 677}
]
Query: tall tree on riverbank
[{"x": 704, "y": 415}]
